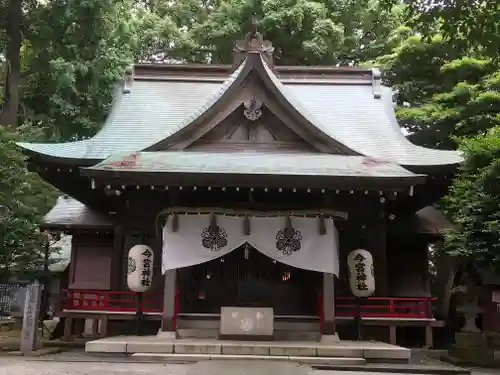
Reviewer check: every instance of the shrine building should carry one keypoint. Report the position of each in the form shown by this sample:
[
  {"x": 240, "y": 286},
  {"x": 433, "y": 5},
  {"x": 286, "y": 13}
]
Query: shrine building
[{"x": 251, "y": 183}]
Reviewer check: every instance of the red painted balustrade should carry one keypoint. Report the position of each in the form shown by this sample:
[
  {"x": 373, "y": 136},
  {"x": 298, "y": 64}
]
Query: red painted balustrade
[
  {"x": 385, "y": 307},
  {"x": 373, "y": 307},
  {"x": 102, "y": 300}
]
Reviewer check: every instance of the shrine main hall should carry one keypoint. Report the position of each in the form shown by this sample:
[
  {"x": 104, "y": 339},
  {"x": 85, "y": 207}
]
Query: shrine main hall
[{"x": 251, "y": 183}]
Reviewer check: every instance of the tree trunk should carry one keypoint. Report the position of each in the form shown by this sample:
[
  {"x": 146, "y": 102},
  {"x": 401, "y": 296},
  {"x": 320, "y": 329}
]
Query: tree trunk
[{"x": 10, "y": 106}]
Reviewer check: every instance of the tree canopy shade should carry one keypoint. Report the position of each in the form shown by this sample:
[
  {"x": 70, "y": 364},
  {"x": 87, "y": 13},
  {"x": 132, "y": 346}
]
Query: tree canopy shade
[
  {"x": 474, "y": 202},
  {"x": 463, "y": 22},
  {"x": 24, "y": 198},
  {"x": 442, "y": 93}
]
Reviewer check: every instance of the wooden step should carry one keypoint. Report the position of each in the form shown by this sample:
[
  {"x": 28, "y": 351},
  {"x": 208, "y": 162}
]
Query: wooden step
[{"x": 187, "y": 358}]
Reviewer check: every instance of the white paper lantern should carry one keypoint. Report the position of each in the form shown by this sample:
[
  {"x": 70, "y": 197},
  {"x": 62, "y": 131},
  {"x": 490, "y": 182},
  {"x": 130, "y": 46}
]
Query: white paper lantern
[
  {"x": 361, "y": 273},
  {"x": 140, "y": 268}
]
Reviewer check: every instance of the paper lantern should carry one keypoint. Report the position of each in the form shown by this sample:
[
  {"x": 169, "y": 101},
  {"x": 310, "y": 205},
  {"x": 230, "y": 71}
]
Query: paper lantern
[
  {"x": 140, "y": 268},
  {"x": 361, "y": 273}
]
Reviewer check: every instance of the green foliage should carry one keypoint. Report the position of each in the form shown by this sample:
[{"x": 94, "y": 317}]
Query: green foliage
[
  {"x": 24, "y": 197},
  {"x": 74, "y": 54},
  {"x": 448, "y": 96},
  {"x": 475, "y": 24},
  {"x": 474, "y": 201},
  {"x": 303, "y": 32},
  {"x": 441, "y": 93}
]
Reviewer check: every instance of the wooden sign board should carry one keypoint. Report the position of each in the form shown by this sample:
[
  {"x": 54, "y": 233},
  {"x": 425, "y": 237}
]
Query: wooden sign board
[{"x": 246, "y": 323}]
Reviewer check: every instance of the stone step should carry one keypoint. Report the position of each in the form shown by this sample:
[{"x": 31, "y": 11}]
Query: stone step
[
  {"x": 187, "y": 358},
  {"x": 278, "y": 325},
  {"x": 211, "y": 333},
  {"x": 192, "y": 333}
]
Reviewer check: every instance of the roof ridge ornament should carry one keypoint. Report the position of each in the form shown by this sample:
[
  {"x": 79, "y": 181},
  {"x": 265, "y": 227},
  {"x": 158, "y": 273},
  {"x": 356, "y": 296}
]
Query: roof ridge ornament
[
  {"x": 253, "y": 42},
  {"x": 376, "y": 77}
]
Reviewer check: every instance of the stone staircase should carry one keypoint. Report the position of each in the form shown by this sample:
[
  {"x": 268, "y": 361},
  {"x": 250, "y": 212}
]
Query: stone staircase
[
  {"x": 343, "y": 353},
  {"x": 284, "y": 330}
]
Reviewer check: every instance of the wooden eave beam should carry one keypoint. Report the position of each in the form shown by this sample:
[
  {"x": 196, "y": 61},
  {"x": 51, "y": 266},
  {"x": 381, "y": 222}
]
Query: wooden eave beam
[{"x": 114, "y": 177}]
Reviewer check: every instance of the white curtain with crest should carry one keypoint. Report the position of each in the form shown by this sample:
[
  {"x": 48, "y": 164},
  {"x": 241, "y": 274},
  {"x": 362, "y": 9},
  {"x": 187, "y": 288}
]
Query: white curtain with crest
[{"x": 296, "y": 242}]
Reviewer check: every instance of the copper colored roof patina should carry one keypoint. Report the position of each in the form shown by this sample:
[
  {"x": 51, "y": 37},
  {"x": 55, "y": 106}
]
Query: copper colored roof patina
[{"x": 346, "y": 108}]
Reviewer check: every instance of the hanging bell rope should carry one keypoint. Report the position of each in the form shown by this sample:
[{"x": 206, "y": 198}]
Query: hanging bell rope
[
  {"x": 160, "y": 222},
  {"x": 213, "y": 223},
  {"x": 288, "y": 223},
  {"x": 175, "y": 222},
  {"x": 246, "y": 225},
  {"x": 322, "y": 225}
]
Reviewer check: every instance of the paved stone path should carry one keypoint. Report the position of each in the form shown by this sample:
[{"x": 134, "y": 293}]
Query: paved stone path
[
  {"x": 248, "y": 368},
  {"x": 20, "y": 366},
  {"x": 72, "y": 364}
]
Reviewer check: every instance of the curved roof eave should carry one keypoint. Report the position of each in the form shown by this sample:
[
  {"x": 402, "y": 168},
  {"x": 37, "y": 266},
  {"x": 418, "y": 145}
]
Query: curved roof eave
[
  {"x": 76, "y": 152},
  {"x": 352, "y": 122},
  {"x": 417, "y": 154},
  {"x": 60, "y": 153}
]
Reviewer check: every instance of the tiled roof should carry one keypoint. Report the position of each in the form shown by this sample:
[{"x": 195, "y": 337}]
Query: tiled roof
[
  {"x": 347, "y": 112},
  {"x": 70, "y": 213},
  {"x": 254, "y": 163}
]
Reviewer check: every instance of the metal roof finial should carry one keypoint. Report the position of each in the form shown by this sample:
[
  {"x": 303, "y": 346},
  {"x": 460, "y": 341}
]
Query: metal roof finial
[
  {"x": 253, "y": 26},
  {"x": 253, "y": 42}
]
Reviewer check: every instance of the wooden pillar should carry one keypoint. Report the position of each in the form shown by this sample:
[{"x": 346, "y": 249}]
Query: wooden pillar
[
  {"x": 168, "y": 318},
  {"x": 329, "y": 333},
  {"x": 375, "y": 242},
  {"x": 117, "y": 258},
  {"x": 68, "y": 328},
  {"x": 379, "y": 253},
  {"x": 103, "y": 326}
]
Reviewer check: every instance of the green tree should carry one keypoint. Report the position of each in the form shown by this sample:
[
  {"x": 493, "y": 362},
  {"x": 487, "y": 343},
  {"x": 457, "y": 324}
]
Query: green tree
[
  {"x": 303, "y": 32},
  {"x": 75, "y": 53},
  {"x": 71, "y": 56},
  {"x": 474, "y": 23},
  {"x": 24, "y": 198},
  {"x": 474, "y": 202},
  {"x": 440, "y": 92}
]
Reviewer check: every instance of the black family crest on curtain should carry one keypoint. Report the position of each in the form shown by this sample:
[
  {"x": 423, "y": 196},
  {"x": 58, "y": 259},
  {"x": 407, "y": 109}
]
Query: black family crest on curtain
[
  {"x": 288, "y": 239},
  {"x": 214, "y": 237}
]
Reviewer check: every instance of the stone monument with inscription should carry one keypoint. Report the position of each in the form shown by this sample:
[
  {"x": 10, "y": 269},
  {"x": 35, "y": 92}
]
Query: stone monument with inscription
[
  {"x": 29, "y": 332},
  {"x": 246, "y": 323}
]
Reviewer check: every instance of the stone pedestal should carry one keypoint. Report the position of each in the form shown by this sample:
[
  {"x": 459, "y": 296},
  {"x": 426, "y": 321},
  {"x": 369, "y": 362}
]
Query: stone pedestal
[{"x": 476, "y": 349}]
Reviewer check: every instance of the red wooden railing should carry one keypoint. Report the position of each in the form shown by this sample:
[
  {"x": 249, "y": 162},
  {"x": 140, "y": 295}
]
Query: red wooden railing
[
  {"x": 373, "y": 307},
  {"x": 101, "y": 300},
  {"x": 384, "y": 307}
]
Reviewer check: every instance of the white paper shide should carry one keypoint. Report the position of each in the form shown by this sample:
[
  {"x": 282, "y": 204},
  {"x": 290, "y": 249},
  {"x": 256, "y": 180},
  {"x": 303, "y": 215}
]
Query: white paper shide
[
  {"x": 361, "y": 273},
  {"x": 140, "y": 268}
]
